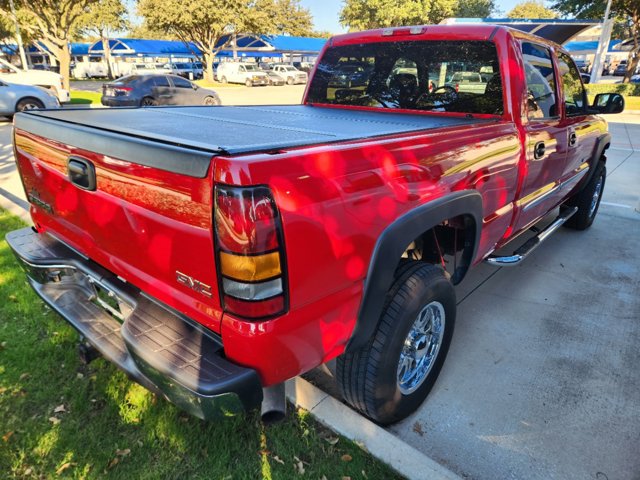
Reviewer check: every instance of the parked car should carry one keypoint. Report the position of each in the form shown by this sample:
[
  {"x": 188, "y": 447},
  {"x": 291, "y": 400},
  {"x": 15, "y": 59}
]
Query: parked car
[
  {"x": 621, "y": 69},
  {"x": 236, "y": 72},
  {"x": 40, "y": 78},
  {"x": 156, "y": 89},
  {"x": 304, "y": 66},
  {"x": 190, "y": 70},
  {"x": 275, "y": 79},
  {"x": 291, "y": 74},
  {"x": 350, "y": 76},
  {"x": 89, "y": 70},
  {"x": 18, "y": 98},
  {"x": 467, "y": 82},
  {"x": 635, "y": 79}
]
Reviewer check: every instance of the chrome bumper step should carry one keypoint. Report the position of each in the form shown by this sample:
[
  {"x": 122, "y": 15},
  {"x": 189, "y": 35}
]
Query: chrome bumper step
[{"x": 153, "y": 344}]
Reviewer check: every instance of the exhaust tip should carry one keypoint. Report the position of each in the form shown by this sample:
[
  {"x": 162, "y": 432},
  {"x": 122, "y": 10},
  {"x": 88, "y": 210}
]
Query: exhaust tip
[{"x": 274, "y": 404}]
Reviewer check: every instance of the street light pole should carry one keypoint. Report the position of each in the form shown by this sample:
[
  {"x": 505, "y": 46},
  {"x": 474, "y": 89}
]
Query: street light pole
[
  {"x": 603, "y": 45},
  {"x": 23, "y": 56}
]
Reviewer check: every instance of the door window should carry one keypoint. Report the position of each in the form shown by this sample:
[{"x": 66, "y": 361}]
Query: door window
[
  {"x": 159, "y": 81},
  {"x": 180, "y": 82},
  {"x": 574, "y": 94},
  {"x": 541, "y": 85}
]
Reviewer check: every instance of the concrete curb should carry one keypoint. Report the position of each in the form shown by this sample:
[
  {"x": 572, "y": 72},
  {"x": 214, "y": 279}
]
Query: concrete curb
[
  {"x": 12, "y": 204},
  {"x": 388, "y": 448}
]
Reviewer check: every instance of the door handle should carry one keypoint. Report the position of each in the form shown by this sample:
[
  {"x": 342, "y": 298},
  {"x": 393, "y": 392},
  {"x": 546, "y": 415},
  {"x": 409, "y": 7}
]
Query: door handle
[
  {"x": 82, "y": 173},
  {"x": 573, "y": 139},
  {"x": 538, "y": 150}
]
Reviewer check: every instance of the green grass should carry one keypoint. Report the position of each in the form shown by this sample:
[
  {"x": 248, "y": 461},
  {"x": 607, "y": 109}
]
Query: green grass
[
  {"x": 113, "y": 428},
  {"x": 81, "y": 97}
]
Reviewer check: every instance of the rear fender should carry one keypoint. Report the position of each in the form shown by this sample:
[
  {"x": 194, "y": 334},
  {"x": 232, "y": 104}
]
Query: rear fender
[{"x": 394, "y": 241}]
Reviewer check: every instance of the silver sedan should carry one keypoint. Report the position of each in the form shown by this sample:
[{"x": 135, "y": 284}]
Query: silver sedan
[{"x": 16, "y": 98}]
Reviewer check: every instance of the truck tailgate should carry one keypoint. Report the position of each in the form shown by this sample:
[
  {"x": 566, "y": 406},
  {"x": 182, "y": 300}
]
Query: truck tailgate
[{"x": 142, "y": 223}]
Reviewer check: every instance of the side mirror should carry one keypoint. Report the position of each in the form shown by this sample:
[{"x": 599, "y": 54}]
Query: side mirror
[{"x": 608, "y": 103}]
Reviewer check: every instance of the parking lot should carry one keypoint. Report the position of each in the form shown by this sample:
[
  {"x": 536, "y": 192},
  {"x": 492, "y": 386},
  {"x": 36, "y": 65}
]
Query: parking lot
[{"x": 542, "y": 379}]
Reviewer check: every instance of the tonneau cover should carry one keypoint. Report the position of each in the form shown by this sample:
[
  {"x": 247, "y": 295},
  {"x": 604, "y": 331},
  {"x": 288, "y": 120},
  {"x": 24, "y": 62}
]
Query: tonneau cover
[{"x": 183, "y": 139}]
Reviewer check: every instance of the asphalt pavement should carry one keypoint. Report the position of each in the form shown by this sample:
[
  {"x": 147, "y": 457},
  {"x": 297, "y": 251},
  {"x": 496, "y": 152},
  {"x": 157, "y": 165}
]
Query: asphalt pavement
[{"x": 542, "y": 380}]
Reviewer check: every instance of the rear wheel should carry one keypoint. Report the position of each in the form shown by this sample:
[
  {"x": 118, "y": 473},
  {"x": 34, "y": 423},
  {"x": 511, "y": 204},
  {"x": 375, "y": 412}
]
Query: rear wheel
[
  {"x": 211, "y": 101},
  {"x": 393, "y": 373},
  {"x": 28, "y": 104},
  {"x": 588, "y": 200},
  {"x": 148, "y": 102}
]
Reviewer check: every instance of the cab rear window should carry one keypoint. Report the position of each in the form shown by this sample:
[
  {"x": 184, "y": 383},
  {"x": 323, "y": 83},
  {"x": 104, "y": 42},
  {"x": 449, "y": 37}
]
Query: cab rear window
[{"x": 448, "y": 76}]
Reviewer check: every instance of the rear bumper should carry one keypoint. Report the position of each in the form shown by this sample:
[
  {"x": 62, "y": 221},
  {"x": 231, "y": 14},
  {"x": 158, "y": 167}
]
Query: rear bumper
[
  {"x": 156, "y": 346},
  {"x": 119, "y": 102}
]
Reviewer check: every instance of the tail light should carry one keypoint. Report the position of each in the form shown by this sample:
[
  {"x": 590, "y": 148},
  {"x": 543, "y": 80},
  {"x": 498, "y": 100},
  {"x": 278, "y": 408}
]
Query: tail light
[
  {"x": 457, "y": 87},
  {"x": 122, "y": 90},
  {"x": 250, "y": 252}
]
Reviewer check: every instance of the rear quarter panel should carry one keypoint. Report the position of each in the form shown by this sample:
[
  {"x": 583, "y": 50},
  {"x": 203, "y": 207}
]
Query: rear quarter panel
[{"x": 336, "y": 200}]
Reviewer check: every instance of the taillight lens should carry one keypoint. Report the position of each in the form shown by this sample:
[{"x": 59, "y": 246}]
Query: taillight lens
[
  {"x": 250, "y": 252},
  {"x": 122, "y": 91}
]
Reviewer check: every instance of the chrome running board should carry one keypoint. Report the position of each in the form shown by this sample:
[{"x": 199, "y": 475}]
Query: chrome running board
[{"x": 530, "y": 245}]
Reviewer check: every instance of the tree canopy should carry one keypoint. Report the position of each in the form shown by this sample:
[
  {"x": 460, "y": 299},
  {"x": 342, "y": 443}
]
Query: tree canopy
[
  {"x": 205, "y": 23},
  {"x": 367, "y": 14},
  {"x": 54, "y": 23},
  {"x": 531, "y": 9}
]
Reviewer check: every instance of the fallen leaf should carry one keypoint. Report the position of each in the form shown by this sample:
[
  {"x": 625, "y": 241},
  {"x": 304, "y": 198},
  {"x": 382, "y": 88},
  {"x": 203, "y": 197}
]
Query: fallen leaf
[
  {"x": 3, "y": 345},
  {"x": 364, "y": 474},
  {"x": 346, "y": 457},
  {"x": 346, "y": 478},
  {"x": 7, "y": 436},
  {"x": 324, "y": 477},
  {"x": 298, "y": 466},
  {"x": 123, "y": 453},
  {"x": 59, "y": 409},
  {"x": 418, "y": 429},
  {"x": 278, "y": 459},
  {"x": 79, "y": 375},
  {"x": 332, "y": 440},
  {"x": 28, "y": 471},
  {"x": 65, "y": 466},
  {"x": 2, "y": 390},
  {"x": 54, "y": 420},
  {"x": 13, "y": 298},
  {"x": 24, "y": 376},
  {"x": 113, "y": 462}
]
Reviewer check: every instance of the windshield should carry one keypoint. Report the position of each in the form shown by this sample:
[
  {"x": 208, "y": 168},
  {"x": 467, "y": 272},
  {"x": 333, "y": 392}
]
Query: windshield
[{"x": 445, "y": 76}]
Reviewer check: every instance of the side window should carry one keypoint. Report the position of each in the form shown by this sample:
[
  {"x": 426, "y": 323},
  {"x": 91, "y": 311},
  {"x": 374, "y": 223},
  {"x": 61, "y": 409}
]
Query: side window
[
  {"x": 179, "y": 82},
  {"x": 574, "y": 94},
  {"x": 159, "y": 81},
  {"x": 541, "y": 85}
]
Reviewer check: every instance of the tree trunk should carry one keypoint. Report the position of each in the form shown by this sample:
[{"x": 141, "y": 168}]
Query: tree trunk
[
  {"x": 208, "y": 60},
  {"x": 634, "y": 54},
  {"x": 65, "y": 64},
  {"x": 107, "y": 55}
]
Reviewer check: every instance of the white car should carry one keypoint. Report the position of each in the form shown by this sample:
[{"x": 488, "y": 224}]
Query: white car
[
  {"x": 41, "y": 78},
  {"x": 17, "y": 98},
  {"x": 291, "y": 74},
  {"x": 247, "y": 73}
]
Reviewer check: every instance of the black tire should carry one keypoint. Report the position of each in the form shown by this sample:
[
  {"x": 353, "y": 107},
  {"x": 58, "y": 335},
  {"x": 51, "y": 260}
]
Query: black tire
[
  {"x": 148, "y": 102},
  {"x": 28, "y": 103},
  {"x": 368, "y": 378},
  {"x": 588, "y": 200},
  {"x": 211, "y": 101}
]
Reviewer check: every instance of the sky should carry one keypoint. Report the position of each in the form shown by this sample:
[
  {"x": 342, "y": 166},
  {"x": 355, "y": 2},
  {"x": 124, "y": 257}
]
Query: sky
[{"x": 325, "y": 12}]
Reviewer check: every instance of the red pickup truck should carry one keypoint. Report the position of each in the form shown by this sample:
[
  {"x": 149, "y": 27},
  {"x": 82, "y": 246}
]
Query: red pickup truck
[{"x": 214, "y": 252}]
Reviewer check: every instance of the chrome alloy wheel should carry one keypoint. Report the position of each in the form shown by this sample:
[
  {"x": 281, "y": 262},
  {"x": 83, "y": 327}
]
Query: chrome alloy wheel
[
  {"x": 30, "y": 106},
  {"x": 597, "y": 191},
  {"x": 421, "y": 348}
]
